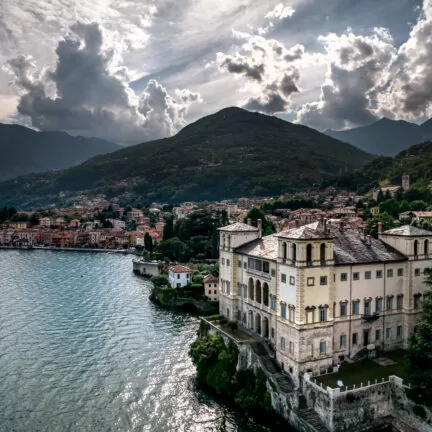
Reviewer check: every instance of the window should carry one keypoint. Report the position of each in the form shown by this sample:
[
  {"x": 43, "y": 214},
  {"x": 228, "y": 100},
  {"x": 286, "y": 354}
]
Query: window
[
  {"x": 323, "y": 280},
  {"x": 389, "y": 273},
  {"x": 426, "y": 247},
  {"x": 291, "y": 313},
  {"x": 356, "y": 276},
  {"x": 322, "y": 347},
  {"x": 343, "y": 310},
  {"x": 292, "y": 280},
  {"x": 417, "y": 272},
  {"x": 178, "y": 276},
  {"x": 323, "y": 314},
  {"x": 355, "y": 307},
  {"x": 282, "y": 343},
  {"x": 354, "y": 338},
  {"x": 215, "y": 285},
  {"x": 239, "y": 263},
  {"x": 245, "y": 265},
  {"x": 273, "y": 272},
  {"x": 291, "y": 347},
  {"x": 309, "y": 255},
  {"x": 323, "y": 254},
  {"x": 399, "y": 332},
  {"x": 228, "y": 262},
  {"x": 367, "y": 310},
  {"x": 378, "y": 305},
  {"x": 283, "y": 310},
  {"x": 214, "y": 292},
  {"x": 223, "y": 261},
  {"x": 389, "y": 303},
  {"x": 400, "y": 272},
  {"x": 283, "y": 278},
  {"x": 388, "y": 333},
  {"x": 379, "y": 274},
  {"x": 272, "y": 332},
  {"x": 399, "y": 301},
  {"x": 273, "y": 302},
  {"x": 228, "y": 285},
  {"x": 244, "y": 291},
  {"x": 344, "y": 277},
  {"x": 417, "y": 301},
  {"x": 310, "y": 281},
  {"x": 179, "y": 285},
  {"x": 368, "y": 275},
  {"x": 415, "y": 247},
  {"x": 342, "y": 341},
  {"x": 377, "y": 335}
]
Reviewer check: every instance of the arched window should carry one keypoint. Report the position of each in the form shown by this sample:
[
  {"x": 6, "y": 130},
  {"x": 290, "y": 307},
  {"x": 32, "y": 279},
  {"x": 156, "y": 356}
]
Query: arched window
[
  {"x": 284, "y": 250},
  {"x": 294, "y": 253},
  {"x": 426, "y": 247},
  {"x": 265, "y": 294},
  {"x": 258, "y": 291},
  {"x": 251, "y": 289},
  {"x": 223, "y": 240},
  {"x": 415, "y": 247},
  {"x": 323, "y": 254},
  {"x": 309, "y": 255},
  {"x": 229, "y": 241}
]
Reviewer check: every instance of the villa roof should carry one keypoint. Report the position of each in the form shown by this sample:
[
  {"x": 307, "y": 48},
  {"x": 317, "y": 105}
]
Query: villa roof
[
  {"x": 265, "y": 247},
  {"x": 238, "y": 227},
  {"x": 211, "y": 279},
  {"x": 311, "y": 231},
  {"x": 351, "y": 248},
  {"x": 180, "y": 269},
  {"x": 408, "y": 231}
]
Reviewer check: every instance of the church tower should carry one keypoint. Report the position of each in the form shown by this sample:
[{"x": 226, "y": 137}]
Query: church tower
[{"x": 406, "y": 182}]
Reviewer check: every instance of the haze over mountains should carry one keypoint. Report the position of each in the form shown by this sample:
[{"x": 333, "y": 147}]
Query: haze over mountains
[
  {"x": 228, "y": 154},
  {"x": 385, "y": 137},
  {"x": 25, "y": 151}
]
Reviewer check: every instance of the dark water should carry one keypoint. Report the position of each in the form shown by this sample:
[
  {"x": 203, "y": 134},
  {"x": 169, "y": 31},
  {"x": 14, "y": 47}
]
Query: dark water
[{"x": 83, "y": 349}]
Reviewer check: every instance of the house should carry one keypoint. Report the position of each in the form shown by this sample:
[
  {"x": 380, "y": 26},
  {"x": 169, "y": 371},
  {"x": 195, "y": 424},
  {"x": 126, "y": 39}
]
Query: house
[
  {"x": 18, "y": 225},
  {"x": 211, "y": 287},
  {"x": 74, "y": 223},
  {"x": 179, "y": 276},
  {"x": 321, "y": 294},
  {"x": 417, "y": 215},
  {"x": 45, "y": 222}
]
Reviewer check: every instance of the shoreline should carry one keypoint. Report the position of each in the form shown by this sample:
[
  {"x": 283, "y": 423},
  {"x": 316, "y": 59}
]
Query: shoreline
[{"x": 69, "y": 249}]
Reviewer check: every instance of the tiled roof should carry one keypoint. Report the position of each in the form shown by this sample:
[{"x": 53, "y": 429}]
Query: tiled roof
[
  {"x": 180, "y": 269},
  {"x": 408, "y": 230},
  {"x": 351, "y": 248},
  {"x": 211, "y": 279},
  {"x": 238, "y": 227},
  {"x": 311, "y": 231},
  {"x": 265, "y": 247}
]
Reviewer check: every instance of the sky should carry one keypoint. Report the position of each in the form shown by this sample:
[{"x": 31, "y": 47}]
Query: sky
[{"x": 134, "y": 70}]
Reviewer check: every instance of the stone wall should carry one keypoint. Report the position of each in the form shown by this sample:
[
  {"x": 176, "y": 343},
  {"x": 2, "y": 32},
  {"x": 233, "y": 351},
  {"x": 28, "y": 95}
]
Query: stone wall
[{"x": 369, "y": 405}]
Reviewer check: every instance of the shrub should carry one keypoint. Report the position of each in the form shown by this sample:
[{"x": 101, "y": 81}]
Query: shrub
[
  {"x": 160, "y": 280},
  {"x": 232, "y": 325}
]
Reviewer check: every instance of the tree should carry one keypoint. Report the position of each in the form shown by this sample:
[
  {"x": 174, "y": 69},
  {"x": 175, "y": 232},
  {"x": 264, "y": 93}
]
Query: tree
[
  {"x": 148, "y": 243},
  {"x": 255, "y": 214},
  {"x": 168, "y": 231},
  {"x": 174, "y": 249},
  {"x": 420, "y": 350},
  {"x": 160, "y": 280},
  {"x": 391, "y": 206},
  {"x": 372, "y": 224}
]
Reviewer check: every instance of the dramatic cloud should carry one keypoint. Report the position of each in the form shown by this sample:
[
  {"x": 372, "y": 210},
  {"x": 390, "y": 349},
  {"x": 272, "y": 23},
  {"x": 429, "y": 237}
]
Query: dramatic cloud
[
  {"x": 358, "y": 68},
  {"x": 409, "y": 95},
  {"x": 87, "y": 93},
  {"x": 269, "y": 68}
]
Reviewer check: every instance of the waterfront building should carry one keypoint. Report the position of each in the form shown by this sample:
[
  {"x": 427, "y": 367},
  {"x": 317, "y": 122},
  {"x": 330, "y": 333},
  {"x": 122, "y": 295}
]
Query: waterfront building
[
  {"x": 321, "y": 294},
  {"x": 211, "y": 287},
  {"x": 179, "y": 276}
]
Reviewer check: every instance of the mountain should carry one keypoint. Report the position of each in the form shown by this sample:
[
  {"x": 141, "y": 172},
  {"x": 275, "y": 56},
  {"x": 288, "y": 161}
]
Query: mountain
[
  {"x": 415, "y": 161},
  {"x": 25, "y": 151},
  {"x": 228, "y": 154},
  {"x": 385, "y": 137}
]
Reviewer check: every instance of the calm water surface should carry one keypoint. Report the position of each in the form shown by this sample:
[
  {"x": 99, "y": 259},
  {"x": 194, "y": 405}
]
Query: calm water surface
[{"x": 83, "y": 349}]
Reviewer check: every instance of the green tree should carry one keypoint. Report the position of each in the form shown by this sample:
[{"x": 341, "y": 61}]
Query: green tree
[
  {"x": 148, "y": 243},
  {"x": 391, "y": 206},
  {"x": 418, "y": 205},
  {"x": 420, "y": 350},
  {"x": 160, "y": 280},
  {"x": 168, "y": 231},
  {"x": 255, "y": 214},
  {"x": 174, "y": 249},
  {"x": 372, "y": 224}
]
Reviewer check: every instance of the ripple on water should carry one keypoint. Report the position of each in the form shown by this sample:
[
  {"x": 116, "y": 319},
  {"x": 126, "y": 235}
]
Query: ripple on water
[{"x": 83, "y": 349}]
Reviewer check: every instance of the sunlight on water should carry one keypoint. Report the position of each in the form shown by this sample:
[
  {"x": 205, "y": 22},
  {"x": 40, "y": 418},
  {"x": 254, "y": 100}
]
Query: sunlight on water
[{"x": 83, "y": 349}]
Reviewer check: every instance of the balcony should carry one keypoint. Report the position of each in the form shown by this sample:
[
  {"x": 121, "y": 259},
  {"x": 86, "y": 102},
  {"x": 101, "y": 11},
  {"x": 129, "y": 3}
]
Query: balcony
[
  {"x": 370, "y": 317},
  {"x": 259, "y": 273}
]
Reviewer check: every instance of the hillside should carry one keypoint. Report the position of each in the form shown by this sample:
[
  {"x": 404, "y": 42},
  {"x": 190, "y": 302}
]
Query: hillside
[
  {"x": 25, "y": 151},
  {"x": 415, "y": 161},
  {"x": 385, "y": 137},
  {"x": 228, "y": 154}
]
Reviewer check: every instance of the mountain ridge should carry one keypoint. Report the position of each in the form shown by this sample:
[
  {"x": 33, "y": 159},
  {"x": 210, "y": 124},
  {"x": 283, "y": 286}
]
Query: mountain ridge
[
  {"x": 228, "y": 154},
  {"x": 26, "y": 151},
  {"x": 385, "y": 137}
]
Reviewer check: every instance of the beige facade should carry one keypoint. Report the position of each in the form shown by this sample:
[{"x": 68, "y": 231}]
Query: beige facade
[{"x": 321, "y": 295}]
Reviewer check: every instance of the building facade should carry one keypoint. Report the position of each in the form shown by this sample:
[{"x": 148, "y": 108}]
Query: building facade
[
  {"x": 211, "y": 287},
  {"x": 320, "y": 295},
  {"x": 179, "y": 276}
]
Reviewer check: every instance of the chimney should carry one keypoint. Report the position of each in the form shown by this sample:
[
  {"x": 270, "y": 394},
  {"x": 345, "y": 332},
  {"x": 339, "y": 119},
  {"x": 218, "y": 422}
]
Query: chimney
[
  {"x": 379, "y": 228},
  {"x": 260, "y": 227},
  {"x": 325, "y": 226},
  {"x": 249, "y": 221},
  {"x": 368, "y": 240}
]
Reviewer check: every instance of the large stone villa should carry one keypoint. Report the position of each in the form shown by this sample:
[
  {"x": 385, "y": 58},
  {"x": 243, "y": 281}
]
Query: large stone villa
[{"x": 321, "y": 294}]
